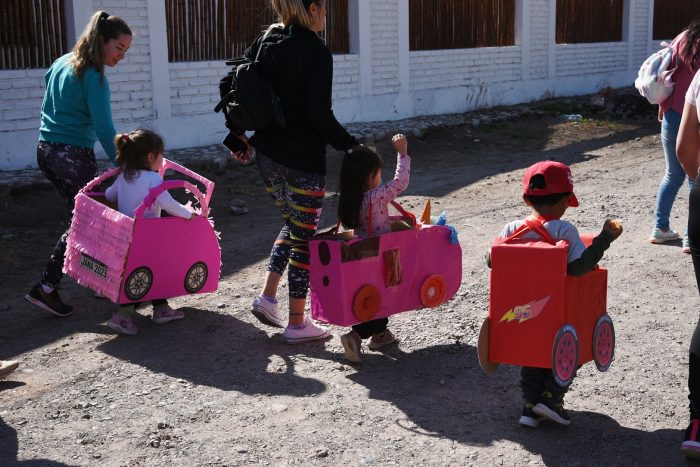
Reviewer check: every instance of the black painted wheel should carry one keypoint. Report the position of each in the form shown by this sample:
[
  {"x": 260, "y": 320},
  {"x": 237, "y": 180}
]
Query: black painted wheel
[
  {"x": 138, "y": 283},
  {"x": 196, "y": 277}
]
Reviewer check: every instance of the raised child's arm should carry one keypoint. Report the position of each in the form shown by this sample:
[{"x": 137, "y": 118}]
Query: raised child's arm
[{"x": 588, "y": 260}]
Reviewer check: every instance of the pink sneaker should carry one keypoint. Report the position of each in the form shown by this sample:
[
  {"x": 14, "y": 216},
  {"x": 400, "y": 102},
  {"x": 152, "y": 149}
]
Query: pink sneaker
[
  {"x": 163, "y": 313},
  {"x": 122, "y": 324}
]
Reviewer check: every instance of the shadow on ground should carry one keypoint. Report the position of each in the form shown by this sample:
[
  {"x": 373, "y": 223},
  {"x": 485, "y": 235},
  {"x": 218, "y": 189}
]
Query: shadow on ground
[
  {"x": 444, "y": 394},
  {"x": 219, "y": 351},
  {"x": 9, "y": 447}
]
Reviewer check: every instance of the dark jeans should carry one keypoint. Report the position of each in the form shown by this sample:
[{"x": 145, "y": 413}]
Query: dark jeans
[
  {"x": 69, "y": 168},
  {"x": 365, "y": 330},
  {"x": 535, "y": 381},
  {"x": 694, "y": 353}
]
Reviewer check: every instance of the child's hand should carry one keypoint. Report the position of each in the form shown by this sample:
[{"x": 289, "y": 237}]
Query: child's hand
[
  {"x": 613, "y": 227},
  {"x": 400, "y": 143}
]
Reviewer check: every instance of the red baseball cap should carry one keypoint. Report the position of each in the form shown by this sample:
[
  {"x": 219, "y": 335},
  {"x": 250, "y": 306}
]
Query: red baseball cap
[{"x": 557, "y": 179}]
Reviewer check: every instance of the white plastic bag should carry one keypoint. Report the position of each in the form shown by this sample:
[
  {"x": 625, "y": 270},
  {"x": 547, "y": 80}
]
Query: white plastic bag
[{"x": 654, "y": 77}]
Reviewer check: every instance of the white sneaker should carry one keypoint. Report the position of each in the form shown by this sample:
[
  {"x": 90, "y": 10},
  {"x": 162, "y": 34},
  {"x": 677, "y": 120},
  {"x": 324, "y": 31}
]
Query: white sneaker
[
  {"x": 659, "y": 235},
  {"x": 305, "y": 332},
  {"x": 267, "y": 312}
]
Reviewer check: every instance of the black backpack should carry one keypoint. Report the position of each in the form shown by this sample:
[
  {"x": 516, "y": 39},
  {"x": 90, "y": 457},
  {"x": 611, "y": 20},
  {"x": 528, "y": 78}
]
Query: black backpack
[{"x": 248, "y": 99}]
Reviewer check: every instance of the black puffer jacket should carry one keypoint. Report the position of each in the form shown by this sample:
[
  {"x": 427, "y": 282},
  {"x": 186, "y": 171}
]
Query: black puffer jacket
[{"x": 300, "y": 68}]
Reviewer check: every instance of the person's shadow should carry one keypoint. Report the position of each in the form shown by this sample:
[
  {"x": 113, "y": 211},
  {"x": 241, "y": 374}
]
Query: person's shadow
[
  {"x": 9, "y": 447},
  {"x": 217, "y": 350},
  {"x": 443, "y": 393}
]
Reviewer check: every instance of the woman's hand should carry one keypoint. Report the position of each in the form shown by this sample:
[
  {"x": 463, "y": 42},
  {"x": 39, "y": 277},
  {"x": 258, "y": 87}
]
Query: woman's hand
[
  {"x": 244, "y": 157},
  {"x": 400, "y": 143}
]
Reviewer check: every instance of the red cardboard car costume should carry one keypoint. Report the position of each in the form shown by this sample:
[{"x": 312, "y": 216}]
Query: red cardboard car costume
[{"x": 548, "y": 319}]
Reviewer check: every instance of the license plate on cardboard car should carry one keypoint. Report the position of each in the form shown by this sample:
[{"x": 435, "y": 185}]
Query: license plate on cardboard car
[{"x": 91, "y": 264}]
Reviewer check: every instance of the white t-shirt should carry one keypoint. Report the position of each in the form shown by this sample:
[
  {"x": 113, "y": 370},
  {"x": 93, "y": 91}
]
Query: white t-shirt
[
  {"x": 692, "y": 96},
  {"x": 130, "y": 193},
  {"x": 559, "y": 230}
]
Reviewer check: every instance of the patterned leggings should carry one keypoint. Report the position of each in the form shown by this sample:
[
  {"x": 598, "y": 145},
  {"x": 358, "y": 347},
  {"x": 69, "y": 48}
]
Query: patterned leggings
[
  {"x": 299, "y": 196},
  {"x": 69, "y": 168}
]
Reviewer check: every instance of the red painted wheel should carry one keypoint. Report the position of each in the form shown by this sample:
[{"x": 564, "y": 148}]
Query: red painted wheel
[
  {"x": 603, "y": 342},
  {"x": 366, "y": 303},
  {"x": 565, "y": 355},
  {"x": 432, "y": 292}
]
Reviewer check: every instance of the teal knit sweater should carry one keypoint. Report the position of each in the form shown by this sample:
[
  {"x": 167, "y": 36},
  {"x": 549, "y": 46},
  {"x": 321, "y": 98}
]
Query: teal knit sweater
[{"x": 77, "y": 111}]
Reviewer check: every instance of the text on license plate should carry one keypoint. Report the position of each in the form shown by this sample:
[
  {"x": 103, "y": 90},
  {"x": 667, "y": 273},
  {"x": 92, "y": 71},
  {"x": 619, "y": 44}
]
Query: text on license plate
[{"x": 91, "y": 264}]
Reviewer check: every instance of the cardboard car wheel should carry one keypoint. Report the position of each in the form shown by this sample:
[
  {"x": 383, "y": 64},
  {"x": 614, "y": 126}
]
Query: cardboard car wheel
[
  {"x": 565, "y": 355},
  {"x": 138, "y": 283},
  {"x": 432, "y": 292},
  {"x": 603, "y": 342},
  {"x": 483, "y": 349},
  {"x": 366, "y": 303},
  {"x": 196, "y": 277}
]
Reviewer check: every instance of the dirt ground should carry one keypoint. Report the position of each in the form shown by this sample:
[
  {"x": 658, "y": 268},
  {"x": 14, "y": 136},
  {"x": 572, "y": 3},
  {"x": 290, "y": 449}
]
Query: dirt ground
[{"x": 219, "y": 388}]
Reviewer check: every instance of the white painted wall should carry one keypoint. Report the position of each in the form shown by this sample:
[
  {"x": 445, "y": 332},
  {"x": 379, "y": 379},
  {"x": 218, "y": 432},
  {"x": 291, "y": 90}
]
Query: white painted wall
[{"x": 379, "y": 80}]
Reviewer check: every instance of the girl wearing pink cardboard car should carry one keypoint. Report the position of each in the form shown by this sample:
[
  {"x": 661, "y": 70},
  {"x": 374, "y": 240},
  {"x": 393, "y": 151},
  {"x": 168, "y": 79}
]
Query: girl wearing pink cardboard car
[
  {"x": 363, "y": 206},
  {"x": 140, "y": 156}
]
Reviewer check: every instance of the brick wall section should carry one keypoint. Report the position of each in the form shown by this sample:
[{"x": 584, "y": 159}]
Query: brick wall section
[
  {"x": 130, "y": 81},
  {"x": 639, "y": 32},
  {"x": 21, "y": 93},
  {"x": 385, "y": 46},
  {"x": 435, "y": 69},
  {"x": 346, "y": 76},
  {"x": 539, "y": 39},
  {"x": 579, "y": 59},
  {"x": 194, "y": 86}
]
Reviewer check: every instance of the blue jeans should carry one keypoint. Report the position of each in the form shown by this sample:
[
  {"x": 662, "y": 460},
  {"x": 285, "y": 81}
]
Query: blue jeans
[{"x": 674, "y": 176}]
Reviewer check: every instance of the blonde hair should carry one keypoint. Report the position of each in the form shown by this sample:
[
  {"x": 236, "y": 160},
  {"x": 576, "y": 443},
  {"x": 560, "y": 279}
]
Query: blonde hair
[
  {"x": 294, "y": 12},
  {"x": 88, "y": 49}
]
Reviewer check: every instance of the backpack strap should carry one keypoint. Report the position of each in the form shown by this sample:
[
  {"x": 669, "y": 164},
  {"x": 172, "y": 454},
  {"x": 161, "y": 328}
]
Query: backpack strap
[{"x": 533, "y": 224}]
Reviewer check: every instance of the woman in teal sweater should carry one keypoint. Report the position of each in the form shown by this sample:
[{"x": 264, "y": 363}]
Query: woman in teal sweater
[{"x": 75, "y": 113}]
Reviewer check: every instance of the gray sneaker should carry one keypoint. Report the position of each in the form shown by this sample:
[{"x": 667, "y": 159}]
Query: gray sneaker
[{"x": 659, "y": 235}]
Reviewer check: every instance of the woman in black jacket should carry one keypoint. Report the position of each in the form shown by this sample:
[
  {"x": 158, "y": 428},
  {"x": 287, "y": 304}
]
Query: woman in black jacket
[{"x": 292, "y": 160}]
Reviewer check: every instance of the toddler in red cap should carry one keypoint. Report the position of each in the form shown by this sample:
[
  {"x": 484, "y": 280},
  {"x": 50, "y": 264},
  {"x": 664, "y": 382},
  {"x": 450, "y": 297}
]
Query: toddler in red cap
[{"x": 548, "y": 188}]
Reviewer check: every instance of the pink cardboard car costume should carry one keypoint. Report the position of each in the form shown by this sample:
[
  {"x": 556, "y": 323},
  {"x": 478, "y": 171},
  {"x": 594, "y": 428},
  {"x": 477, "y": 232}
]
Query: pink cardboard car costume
[
  {"x": 362, "y": 279},
  {"x": 139, "y": 259},
  {"x": 539, "y": 316}
]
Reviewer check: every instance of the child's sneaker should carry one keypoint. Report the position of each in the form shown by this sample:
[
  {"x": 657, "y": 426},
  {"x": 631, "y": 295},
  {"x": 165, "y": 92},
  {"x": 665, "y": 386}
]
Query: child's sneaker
[
  {"x": 304, "y": 332},
  {"x": 552, "y": 407},
  {"x": 380, "y": 340},
  {"x": 122, "y": 324},
  {"x": 659, "y": 235},
  {"x": 163, "y": 313},
  {"x": 686, "y": 245},
  {"x": 691, "y": 445},
  {"x": 267, "y": 312},
  {"x": 50, "y": 302},
  {"x": 352, "y": 344},
  {"x": 528, "y": 417}
]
